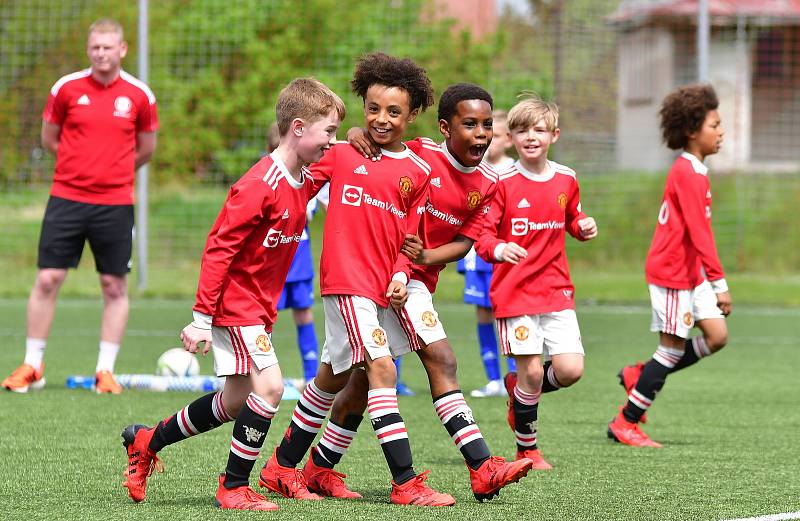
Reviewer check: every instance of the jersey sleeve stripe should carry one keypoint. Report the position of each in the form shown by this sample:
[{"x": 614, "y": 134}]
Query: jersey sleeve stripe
[
  {"x": 136, "y": 82},
  {"x": 419, "y": 162},
  {"x": 69, "y": 77},
  {"x": 563, "y": 169}
]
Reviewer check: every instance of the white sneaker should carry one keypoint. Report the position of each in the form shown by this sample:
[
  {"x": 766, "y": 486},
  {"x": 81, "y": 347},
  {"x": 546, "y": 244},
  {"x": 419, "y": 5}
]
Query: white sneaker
[
  {"x": 493, "y": 388},
  {"x": 297, "y": 383}
]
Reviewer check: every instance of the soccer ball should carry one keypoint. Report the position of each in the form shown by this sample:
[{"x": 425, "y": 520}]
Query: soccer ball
[{"x": 177, "y": 362}]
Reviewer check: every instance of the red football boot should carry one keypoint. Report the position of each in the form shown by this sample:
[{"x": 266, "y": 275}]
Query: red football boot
[
  {"x": 494, "y": 474},
  {"x": 326, "y": 482},
  {"x": 535, "y": 455},
  {"x": 416, "y": 492},
  {"x": 510, "y": 381},
  {"x": 623, "y": 431},
  {"x": 241, "y": 498},
  {"x": 287, "y": 481},
  {"x": 141, "y": 460}
]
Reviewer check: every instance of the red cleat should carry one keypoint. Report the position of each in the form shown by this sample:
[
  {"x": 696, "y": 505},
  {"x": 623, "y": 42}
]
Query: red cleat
[
  {"x": 628, "y": 376},
  {"x": 141, "y": 460},
  {"x": 510, "y": 381},
  {"x": 327, "y": 482},
  {"x": 241, "y": 498},
  {"x": 286, "y": 481},
  {"x": 416, "y": 492},
  {"x": 494, "y": 474},
  {"x": 625, "y": 432},
  {"x": 535, "y": 455},
  {"x": 25, "y": 378}
]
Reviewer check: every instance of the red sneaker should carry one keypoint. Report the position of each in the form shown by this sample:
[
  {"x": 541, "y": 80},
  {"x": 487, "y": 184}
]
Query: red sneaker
[
  {"x": 535, "y": 455},
  {"x": 510, "y": 381},
  {"x": 623, "y": 431},
  {"x": 494, "y": 474},
  {"x": 326, "y": 482},
  {"x": 241, "y": 498},
  {"x": 25, "y": 378},
  {"x": 105, "y": 383},
  {"x": 286, "y": 481},
  {"x": 141, "y": 460},
  {"x": 628, "y": 376},
  {"x": 416, "y": 492}
]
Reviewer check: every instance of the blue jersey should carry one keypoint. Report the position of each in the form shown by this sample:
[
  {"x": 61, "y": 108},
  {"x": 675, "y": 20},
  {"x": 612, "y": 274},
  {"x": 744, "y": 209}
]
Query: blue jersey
[
  {"x": 302, "y": 267},
  {"x": 472, "y": 262}
]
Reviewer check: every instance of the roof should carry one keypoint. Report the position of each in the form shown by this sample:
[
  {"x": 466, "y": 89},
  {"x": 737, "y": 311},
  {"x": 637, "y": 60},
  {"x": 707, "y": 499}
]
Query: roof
[{"x": 721, "y": 11}]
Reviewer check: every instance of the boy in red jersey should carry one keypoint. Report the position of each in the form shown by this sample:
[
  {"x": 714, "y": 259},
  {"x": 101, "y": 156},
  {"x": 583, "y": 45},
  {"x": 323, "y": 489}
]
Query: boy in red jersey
[
  {"x": 684, "y": 274},
  {"x": 460, "y": 193},
  {"x": 373, "y": 206},
  {"x": 243, "y": 269},
  {"x": 532, "y": 296}
]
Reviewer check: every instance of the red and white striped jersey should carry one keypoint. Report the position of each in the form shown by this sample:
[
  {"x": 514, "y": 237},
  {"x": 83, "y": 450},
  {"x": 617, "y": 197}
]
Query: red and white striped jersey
[
  {"x": 251, "y": 245},
  {"x": 533, "y": 211},
  {"x": 97, "y": 144},
  {"x": 458, "y": 199},
  {"x": 683, "y": 243},
  {"x": 373, "y": 205}
]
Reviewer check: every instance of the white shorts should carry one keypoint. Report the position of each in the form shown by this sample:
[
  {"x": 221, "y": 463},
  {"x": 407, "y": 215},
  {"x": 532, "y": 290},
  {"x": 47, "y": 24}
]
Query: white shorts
[
  {"x": 237, "y": 347},
  {"x": 353, "y": 330},
  {"x": 418, "y": 318},
  {"x": 676, "y": 310},
  {"x": 552, "y": 333}
]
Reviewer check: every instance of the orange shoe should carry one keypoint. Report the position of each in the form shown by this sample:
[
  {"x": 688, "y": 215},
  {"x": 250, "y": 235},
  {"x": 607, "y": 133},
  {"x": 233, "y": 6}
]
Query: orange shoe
[
  {"x": 326, "y": 482},
  {"x": 510, "y": 381},
  {"x": 141, "y": 460},
  {"x": 416, "y": 492},
  {"x": 535, "y": 455},
  {"x": 25, "y": 378},
  {"x": 286, "y": 481},
  {"x": 105, "y": 383},
  {"x": 628, "y": 376},
  {"x": 625, "y": 432},
  {"x": 494, "y": 474},
  {"x": 241, "y": 498}
]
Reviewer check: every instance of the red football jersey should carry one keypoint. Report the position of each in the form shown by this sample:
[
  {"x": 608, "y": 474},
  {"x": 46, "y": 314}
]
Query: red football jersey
[
  {"x": 458, "y": 199},
  {"x": 97, "y": 144},
  {"x": 533, "y": 211},
  {"x": 683, "y": 243},
  {"x": 252, "y": 244},
  {"x": 373, "y": 205}
]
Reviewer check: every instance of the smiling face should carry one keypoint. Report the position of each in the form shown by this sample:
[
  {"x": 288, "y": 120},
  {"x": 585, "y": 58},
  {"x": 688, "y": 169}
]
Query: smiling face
[
  {"x": 317, "y": 137},
  {"x": 387, "y": 111},
  {"x": 708, "y": 139},
  {"x": 106, "y": 50},
  {"x": 532, "y": 143},
  {"x": 469, "y": 131}
]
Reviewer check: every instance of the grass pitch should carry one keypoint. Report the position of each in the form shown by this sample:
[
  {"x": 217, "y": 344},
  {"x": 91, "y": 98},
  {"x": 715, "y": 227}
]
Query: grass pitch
[{"x": 730, "y": 425}]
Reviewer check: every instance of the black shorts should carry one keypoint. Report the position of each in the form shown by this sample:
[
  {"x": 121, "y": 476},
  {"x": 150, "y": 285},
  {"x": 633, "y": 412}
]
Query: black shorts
[{"x": 67, "y": 225}]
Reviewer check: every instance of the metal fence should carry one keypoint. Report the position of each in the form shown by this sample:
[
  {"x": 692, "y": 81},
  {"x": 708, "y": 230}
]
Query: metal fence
[{"x": 216, "y": 67}]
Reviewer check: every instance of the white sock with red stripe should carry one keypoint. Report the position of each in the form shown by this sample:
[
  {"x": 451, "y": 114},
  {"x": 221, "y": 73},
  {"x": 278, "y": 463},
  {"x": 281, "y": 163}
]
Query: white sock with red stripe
[
  {"x": 526, "y": 418},
  {"x": 203, "y": 414},
  {"x": 391, "y": 432},
  {"x": 307, "y": 419},
  {"x": 333, "y": 443},
  {"x": 249, "y": 434},
  {"x": 694, "y": 349},
  {"x": 456, "y": 416}
]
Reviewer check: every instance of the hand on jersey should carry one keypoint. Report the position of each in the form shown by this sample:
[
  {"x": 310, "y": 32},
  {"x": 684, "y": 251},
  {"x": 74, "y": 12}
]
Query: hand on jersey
[
  {"x": 359, "y": 139},
  {"x": 397, "y": 294},
  {"x": 192, "y": 336},
  {"x": 412, "y": 248},
  {"x": 513, "y": 253},
  {"x": 588, "y": 228},
  {"x": 725, "y": 303}
]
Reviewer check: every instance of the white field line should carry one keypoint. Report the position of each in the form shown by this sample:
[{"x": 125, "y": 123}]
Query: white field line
[{"x": 771, "y": 517}]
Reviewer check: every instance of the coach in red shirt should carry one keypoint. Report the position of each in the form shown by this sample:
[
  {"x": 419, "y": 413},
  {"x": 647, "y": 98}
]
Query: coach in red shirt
[{"x": 101, "y": 125}]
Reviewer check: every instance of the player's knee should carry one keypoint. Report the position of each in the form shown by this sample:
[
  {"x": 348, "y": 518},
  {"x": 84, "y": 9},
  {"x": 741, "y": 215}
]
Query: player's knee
[
  {"x": 569, "y": 375},
  {"x": 114, "y": 288},
  {"x": 382, "y": 372},
  {"x": 531, "y": 377},
  {"x": 439, "y": 358},
  {"x": 49, "y": 281},
  {"x": 717, "y": 340}
]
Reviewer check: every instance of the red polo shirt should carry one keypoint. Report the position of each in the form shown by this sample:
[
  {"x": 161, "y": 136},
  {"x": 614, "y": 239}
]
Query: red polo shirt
[{"x": 97, "y": 144}]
